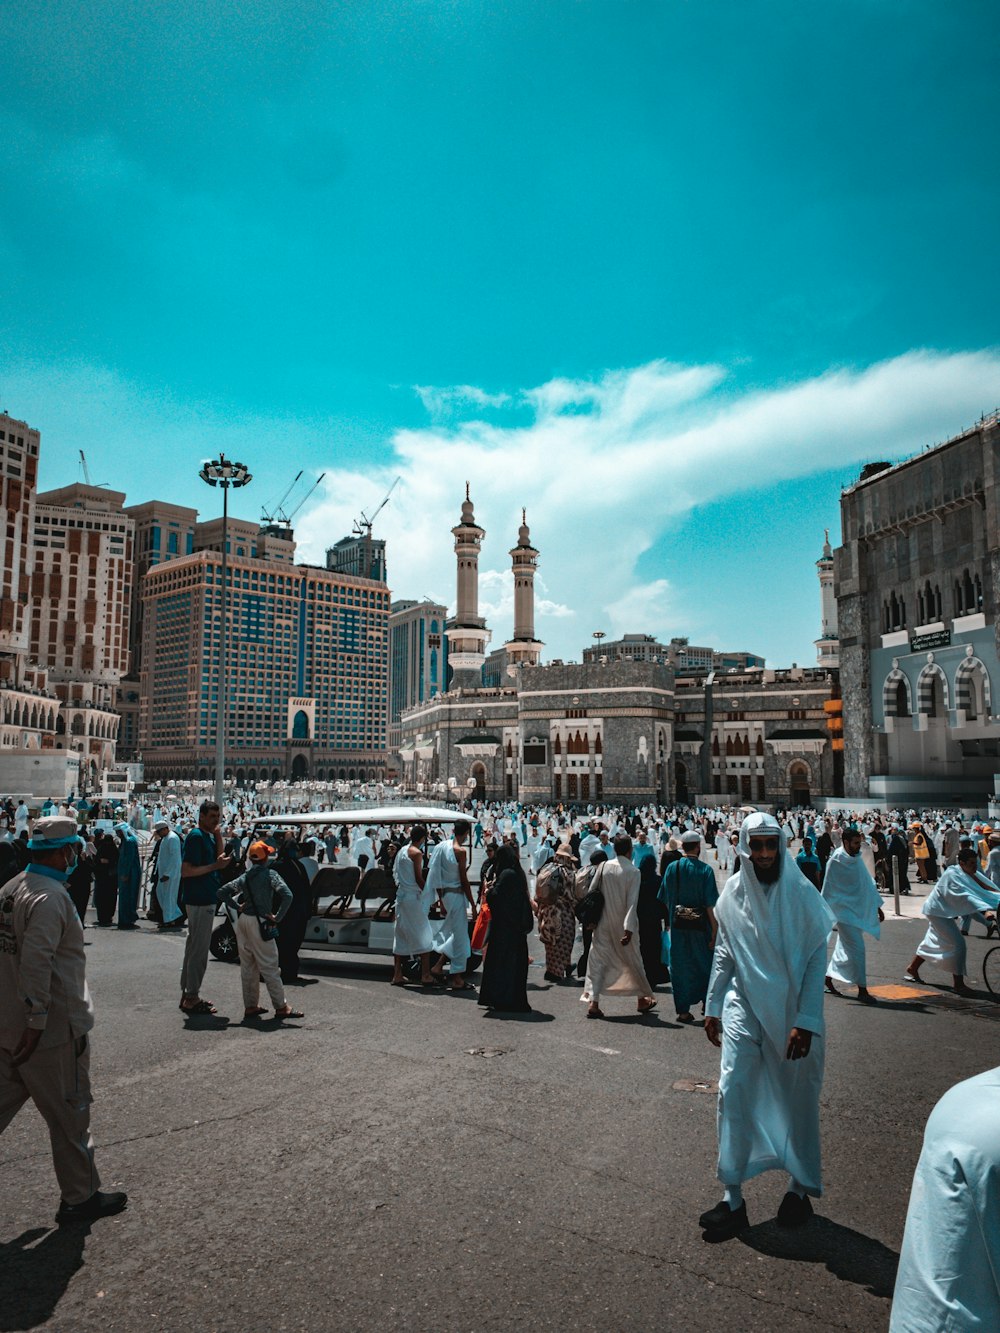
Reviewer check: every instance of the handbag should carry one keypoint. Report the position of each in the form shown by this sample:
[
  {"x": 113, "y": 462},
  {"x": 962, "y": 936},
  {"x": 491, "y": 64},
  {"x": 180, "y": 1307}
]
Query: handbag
[
  {"x": 481, "y": 930},
  {"x": 590, "y": 907},
  {"x": 689, "y": 918}
]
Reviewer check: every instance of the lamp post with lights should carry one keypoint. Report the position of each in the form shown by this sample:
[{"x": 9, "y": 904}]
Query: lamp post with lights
[{"x": 223, "y": 472}]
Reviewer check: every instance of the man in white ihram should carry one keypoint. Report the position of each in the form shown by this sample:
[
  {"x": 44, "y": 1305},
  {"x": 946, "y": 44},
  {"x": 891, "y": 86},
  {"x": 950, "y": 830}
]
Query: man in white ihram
[
  {"x": 447, "y": 876},
  {"x": 850, "y": 893},
  {"x": 765, "y": 1010}
]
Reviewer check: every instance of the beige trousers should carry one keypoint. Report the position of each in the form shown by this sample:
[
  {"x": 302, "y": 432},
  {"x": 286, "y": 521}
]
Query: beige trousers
[
  {"x": 57, "y": 1080},
  {"x": 258, "y": 962}
]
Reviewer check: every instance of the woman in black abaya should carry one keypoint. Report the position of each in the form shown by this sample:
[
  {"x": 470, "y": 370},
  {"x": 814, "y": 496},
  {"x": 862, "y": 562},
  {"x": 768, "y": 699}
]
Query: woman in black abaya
[{"x": 505, "y": 968}]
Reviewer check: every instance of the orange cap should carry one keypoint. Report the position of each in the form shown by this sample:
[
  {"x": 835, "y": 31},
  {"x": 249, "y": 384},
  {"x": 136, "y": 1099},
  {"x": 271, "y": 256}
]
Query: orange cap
[{"x": 260, "y": 851}]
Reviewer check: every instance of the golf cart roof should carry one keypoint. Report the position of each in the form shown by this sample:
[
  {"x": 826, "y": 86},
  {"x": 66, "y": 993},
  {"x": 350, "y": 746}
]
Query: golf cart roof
[{"x": 373, "y": 815}]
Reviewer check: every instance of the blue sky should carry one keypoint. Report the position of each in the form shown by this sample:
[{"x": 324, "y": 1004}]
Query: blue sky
[{"x": 665, "y": 273}]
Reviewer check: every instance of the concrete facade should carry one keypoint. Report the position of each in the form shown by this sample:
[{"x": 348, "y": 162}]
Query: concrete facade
[
  {"x": 917, "y": 582},
  {"x": 418, "y": 659}
]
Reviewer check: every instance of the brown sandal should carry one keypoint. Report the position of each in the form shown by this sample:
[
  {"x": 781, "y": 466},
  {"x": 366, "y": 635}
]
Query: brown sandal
[{"x": 289, "y": 1013}]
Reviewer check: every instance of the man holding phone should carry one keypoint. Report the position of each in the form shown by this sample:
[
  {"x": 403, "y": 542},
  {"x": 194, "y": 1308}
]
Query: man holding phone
[{"x": 201, "y": 879}]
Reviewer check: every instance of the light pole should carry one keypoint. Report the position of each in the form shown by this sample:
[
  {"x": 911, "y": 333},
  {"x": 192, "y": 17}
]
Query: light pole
[{"x": 222, "y": 472}]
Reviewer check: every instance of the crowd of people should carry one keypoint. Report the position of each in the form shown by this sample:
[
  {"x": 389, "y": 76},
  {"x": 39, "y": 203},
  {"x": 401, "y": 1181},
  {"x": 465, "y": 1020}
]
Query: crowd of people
[{"x": 639, "y": 889}]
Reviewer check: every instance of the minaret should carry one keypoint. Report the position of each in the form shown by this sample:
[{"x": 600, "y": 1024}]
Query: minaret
[
  {"x": 828, "y": 644},
  {"x": 523, "y": 649},
  {"x": 466, "y": 631}
]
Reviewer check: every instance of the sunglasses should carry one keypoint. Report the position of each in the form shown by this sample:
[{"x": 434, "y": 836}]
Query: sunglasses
[{"x": 763, "y": 844}]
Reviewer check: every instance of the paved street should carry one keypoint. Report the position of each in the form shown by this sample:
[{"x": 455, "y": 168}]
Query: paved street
[{"x": 404, "y": 1159}]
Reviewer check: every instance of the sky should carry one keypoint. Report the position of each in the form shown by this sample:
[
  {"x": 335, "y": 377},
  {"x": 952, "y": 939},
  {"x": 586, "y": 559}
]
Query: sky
[{"x": 664, "y": 273}]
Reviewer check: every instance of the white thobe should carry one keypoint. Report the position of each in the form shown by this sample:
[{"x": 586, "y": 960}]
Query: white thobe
[
  {"x": 955, "y": 894},
  {"x": 614, "y": 968},
  {"x": 168, "y": 875},
  {"x": 452, "y": 935},
  {"x": 850, "y": 893},
  {"x": 949, "y": 1267}
]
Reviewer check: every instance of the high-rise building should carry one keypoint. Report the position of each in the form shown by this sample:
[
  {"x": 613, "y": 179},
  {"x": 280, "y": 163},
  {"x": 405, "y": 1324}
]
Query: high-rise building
[
  {"x": 307, "y": 662},
  {"x": 33, "y": 750},
  {"x": 361, "y": 556},
  {"x": 80, "y": 589},
  {"x": 163, "y": 531},
  {"x": 418, "y": 658}
]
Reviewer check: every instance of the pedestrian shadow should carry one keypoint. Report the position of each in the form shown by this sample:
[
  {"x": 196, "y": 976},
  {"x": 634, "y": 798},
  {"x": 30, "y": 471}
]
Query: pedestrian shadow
[
  {"x": 536, "y": 1016},
  {"x": 652, "y": 1019},
  {"x": 34, "y": 1278},
  {"x": 848, "y": 1255},
  {"x": 205, "y": 1022}
]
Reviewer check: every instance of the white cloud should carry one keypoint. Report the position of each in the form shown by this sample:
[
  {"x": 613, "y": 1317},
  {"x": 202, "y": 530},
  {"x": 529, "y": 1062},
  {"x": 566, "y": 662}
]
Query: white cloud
[
  {"x": 604, "y": 466},
  {"x": 441, "y": 403}
]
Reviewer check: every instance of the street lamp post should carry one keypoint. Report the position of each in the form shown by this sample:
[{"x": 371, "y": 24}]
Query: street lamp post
[{"x": 222, "y": 472}]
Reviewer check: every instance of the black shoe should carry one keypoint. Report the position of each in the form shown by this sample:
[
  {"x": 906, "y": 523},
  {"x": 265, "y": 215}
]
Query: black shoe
[
  {"x": 551, "y": 976},
  {"x": 795, "y": 1210},
  {"x": 731, "y": 1223},
  {"x": 98, "y": 1205},
  {"x": 714, "y": 1216}
]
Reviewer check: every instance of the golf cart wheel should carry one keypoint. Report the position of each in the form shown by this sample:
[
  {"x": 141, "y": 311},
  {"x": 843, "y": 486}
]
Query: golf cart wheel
[
  {"x": 223, "y": 944},
  {"x": 991, "y": 971}
]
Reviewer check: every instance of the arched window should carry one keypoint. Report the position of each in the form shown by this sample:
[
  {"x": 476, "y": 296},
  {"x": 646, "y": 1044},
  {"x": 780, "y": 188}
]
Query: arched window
[
  {"x": 759, "y": 747},
  {"x": 300, "y": 726},
  {"x": 896, "y": 694},
  {"x": 972, "y": 688},
  {"x": 932, "y": 691}
]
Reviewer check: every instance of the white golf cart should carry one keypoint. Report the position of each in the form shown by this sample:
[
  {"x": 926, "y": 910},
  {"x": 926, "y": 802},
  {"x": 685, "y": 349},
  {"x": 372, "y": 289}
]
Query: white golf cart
[{"x": 352, "y": 911}]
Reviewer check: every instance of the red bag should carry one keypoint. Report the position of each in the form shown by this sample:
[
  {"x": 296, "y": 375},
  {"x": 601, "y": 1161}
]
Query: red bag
[{"x": 481, "y": 930}]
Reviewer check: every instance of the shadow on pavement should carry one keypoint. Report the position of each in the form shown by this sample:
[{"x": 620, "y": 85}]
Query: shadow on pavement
[
  {"x": 205, "y": 1022},
  {"x": 536, "y": 1016},
  {"x": 34, "y": 1278},
  {"x": 846, "y": 1254}
]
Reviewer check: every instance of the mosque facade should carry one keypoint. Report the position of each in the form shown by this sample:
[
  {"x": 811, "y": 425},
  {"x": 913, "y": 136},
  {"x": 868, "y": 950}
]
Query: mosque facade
[{"x": 612, "y": 730}]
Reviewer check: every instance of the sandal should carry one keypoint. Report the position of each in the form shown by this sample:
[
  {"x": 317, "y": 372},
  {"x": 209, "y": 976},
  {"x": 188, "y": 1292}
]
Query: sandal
[
  {"x": 288, "y": 1013},
  {"x": 401, "y": 982},
  {"x": 199, "y": 1007},
  {"x": 466, "y": 985},
  {"x": 595, "y": 1013},
  {"x": 255, "y": 1012},
  {"x": 645, "y": 1008}
]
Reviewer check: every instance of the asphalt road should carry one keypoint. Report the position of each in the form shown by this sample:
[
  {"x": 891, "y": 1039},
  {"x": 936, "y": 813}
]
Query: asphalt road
[{"x": 404, "y": 1159}]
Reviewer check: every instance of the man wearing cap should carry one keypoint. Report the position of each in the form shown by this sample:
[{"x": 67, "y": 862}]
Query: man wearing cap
[
  {"x": 689, "y": 894},
  {"x": 168, "y": 875},
  {"x": 253, "y": 897},
  {"x": 46, "y": 1014},
  {"x": 201, "y": 879},
  {"x": 765, "y": 1010}
]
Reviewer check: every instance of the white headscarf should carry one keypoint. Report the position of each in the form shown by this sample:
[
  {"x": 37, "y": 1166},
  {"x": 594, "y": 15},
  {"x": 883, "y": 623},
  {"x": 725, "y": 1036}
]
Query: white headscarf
[
  {"x": 771, "y": 930},
  {"x": 850, "y": 892}
]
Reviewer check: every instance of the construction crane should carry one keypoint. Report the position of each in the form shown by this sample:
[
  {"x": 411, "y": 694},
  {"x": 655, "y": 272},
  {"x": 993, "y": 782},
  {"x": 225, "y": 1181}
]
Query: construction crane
[
  {"x": 278, "y": 515},
  {"x": 305, "y": 497},
  {"x": 363, "y": 528},
  {"x": 86, "y": 471}
]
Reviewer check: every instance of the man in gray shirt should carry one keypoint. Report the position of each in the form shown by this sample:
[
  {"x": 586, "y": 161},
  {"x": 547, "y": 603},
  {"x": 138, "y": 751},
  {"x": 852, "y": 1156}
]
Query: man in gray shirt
[{"x": 46, "y": 1016}]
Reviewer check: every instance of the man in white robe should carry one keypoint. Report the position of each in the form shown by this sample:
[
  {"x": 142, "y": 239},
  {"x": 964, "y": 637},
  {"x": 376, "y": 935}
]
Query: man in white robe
[
  {"x": 614, "y": 964},
  {"x": 447, "y": 878},
  {"x": 168, "y": 875},
  {"x": 850, "y": 893},
  {"x": 961, "y": 891},
  {"x": 949, "y": 1269},
  {"x": 765, "y": 1010}
]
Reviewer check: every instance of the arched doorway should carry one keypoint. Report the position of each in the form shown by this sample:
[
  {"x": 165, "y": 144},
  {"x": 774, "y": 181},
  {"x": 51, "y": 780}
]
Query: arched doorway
[
  {"x": 798, "y": 784},
  {"x": 681, "y": 792},
  {"x": 479, "y": 777},
  {"x": 300, "y": 769}
]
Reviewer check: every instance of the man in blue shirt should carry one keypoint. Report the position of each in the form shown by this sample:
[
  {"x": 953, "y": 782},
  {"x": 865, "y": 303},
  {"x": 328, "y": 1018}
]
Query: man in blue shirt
[
  {"x": 201, "y": 879},
  {"x": 808, "y": 862}
]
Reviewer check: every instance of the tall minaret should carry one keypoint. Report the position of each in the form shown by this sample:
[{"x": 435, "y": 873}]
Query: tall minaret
[
  {"x": 523, "y": 649},
  {"x": 828, "y": 644},
  {"x": 466, "y": 631}
]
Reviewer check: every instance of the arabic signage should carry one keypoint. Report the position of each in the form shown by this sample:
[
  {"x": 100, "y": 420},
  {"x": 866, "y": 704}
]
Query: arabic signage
[{"x": 923, "y": 643}]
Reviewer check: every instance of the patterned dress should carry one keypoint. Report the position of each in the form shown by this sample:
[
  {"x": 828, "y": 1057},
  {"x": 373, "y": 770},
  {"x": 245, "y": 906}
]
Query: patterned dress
[{"x": 557, "y": 922}]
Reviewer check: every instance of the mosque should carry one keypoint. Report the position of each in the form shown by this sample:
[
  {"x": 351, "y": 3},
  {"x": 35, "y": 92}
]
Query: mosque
[{"x": 618, "y": 732}]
